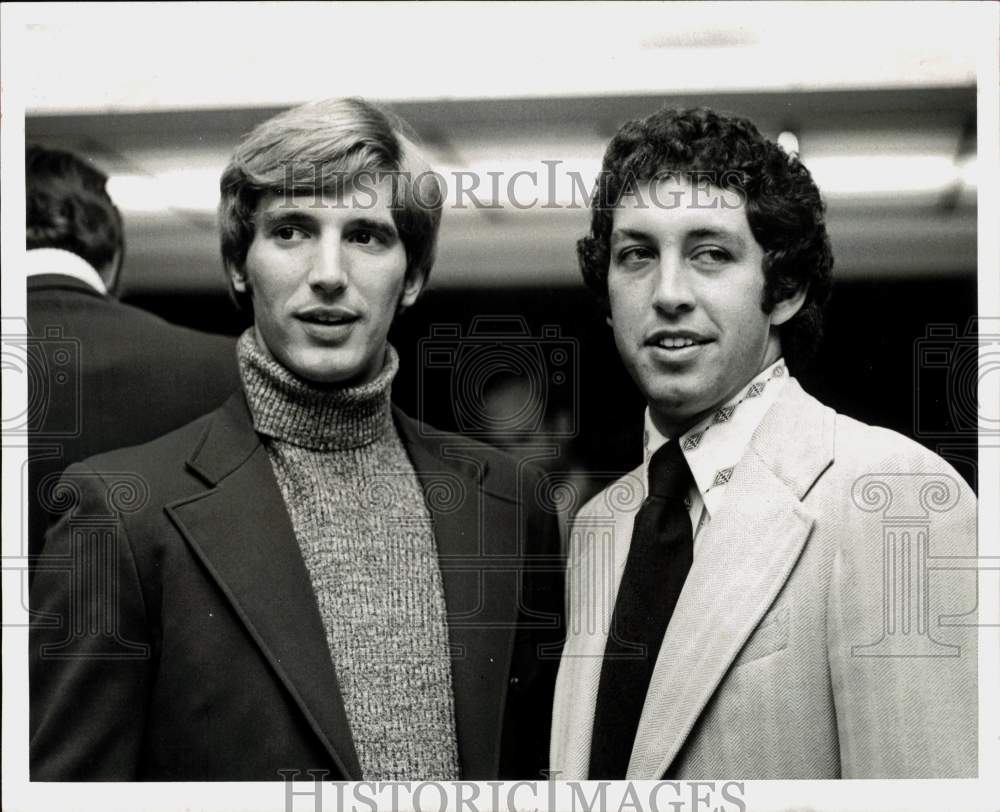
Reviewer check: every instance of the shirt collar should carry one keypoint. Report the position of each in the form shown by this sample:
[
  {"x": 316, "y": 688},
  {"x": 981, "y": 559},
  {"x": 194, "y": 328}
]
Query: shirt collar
[
  {"x": 714, "y": 446},
  {"x": 55, "y": 260}
]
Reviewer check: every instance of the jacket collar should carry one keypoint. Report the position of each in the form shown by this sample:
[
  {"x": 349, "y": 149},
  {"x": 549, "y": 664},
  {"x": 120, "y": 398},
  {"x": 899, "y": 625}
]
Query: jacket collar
[
  {"x": 229, "y": 440},
  {"x": 58, "y": 281},
  {"x": 57, "y": 262}
]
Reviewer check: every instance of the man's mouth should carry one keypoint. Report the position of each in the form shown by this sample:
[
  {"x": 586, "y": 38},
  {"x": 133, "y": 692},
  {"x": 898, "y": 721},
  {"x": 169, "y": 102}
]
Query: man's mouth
[
  {"x": 675, "y": 343},
  {"x": 674, "y": 340},
  {"x": 327, "y": 316}
]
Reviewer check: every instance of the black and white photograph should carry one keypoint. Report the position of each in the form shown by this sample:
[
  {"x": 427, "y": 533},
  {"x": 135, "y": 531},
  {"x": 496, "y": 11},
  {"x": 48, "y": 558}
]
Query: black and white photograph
[{"x": 501, "y": 406}]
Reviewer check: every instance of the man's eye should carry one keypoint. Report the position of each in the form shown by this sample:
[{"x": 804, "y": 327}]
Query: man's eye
[
  {"x": 366, "y": 237},
  {"x": 634, "y": 254},
  {"x": 712, "y": 255},
  {"x": 289, "y": 233}
]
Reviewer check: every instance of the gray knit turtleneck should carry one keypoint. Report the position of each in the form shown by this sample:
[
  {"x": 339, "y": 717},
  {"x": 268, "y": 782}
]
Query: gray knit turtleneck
[{"x": 366, "y": 536}]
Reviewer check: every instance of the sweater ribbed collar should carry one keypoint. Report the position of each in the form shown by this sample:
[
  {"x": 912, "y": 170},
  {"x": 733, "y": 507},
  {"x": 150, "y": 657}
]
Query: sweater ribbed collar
[{"x": 289, "y": 408}]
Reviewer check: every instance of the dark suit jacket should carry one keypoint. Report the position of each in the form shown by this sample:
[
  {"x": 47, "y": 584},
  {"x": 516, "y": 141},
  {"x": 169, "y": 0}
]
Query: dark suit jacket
[
  {"x": 185, "y": 642},
  {"x": 107, "y": 375}
]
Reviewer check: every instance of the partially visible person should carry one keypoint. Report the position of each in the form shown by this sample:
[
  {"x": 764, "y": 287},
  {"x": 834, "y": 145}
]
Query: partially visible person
[{"x": 104, "y": 374}]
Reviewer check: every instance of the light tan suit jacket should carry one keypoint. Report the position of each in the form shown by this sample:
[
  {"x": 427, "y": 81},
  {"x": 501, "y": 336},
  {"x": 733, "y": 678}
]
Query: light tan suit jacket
[{"x": 826, "y": 628}]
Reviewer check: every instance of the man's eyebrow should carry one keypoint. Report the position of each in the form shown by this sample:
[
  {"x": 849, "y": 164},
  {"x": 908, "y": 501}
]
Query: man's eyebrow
[
  {"x": 722, "y": 234},
  {"x": 620, "y": 234},
  {"x": 292, "y": 216},
  {"x": 385, "y": 227}
]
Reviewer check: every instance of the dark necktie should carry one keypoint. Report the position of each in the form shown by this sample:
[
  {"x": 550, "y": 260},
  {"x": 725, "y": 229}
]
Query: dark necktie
[{"x": 658, "y": 562}]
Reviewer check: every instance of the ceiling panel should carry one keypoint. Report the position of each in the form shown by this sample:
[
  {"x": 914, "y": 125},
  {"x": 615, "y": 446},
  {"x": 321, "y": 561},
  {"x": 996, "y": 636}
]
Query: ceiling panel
[{"x": 892, "y": 162}]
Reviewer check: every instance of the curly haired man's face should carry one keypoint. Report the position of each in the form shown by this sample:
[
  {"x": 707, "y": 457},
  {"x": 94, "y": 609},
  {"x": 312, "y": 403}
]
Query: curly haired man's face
[{"x": 685, "y": 284}]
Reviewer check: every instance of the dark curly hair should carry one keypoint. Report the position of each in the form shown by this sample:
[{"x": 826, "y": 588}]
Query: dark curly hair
[
  {"x": 783, "y": 207},
  {"x": 68, "y": 207}
]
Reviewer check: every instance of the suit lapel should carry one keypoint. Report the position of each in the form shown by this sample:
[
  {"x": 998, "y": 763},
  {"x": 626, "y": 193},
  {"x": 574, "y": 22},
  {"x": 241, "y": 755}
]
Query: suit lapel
[
  {"x": 482, "y": 610},
  {"x": 241, "y": 531},
  {"x": 599, "y": 544},
  {"x": 745, "y": 557}
]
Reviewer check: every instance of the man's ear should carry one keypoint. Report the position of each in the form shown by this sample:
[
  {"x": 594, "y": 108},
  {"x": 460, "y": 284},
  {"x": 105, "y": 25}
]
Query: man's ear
[
  {"x": 784, "y": 310},
  {"x": 412, "y": 285}
]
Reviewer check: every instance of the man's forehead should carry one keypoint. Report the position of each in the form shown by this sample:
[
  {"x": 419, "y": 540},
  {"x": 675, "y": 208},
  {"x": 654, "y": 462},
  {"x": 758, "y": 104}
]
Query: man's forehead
[
  {"x": 700, "y": 190},
  {"x": 370, "y": 200},
  {"x": 681, "y": 202}
]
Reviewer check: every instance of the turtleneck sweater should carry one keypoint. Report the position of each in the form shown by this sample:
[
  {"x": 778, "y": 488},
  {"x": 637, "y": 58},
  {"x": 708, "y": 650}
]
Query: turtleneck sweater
[{"x": 367, "y": 539}]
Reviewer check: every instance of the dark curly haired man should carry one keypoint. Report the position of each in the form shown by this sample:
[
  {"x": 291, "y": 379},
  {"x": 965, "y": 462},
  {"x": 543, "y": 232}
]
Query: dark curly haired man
[{"x": 753, "y": 601}]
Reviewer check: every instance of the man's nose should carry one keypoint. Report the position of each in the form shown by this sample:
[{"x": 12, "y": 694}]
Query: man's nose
[
  {"x": 328, "y": 271},
  {"x": 673, "y": 292}
]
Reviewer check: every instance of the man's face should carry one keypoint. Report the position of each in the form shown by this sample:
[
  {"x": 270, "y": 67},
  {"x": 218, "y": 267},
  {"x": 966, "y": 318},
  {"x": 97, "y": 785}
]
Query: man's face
[
  {"x": 685, "y": 285},
  {"x": 326, "y": 283}
]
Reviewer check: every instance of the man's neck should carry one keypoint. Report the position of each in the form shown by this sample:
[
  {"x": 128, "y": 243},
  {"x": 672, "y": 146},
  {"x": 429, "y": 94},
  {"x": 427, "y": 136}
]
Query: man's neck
[{"x": 671, "y": 425}]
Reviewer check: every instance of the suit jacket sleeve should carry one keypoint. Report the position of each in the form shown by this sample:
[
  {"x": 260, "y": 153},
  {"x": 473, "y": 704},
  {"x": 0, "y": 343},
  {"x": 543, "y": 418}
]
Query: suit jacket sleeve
[
  {"x": 902, "y": 635},
  {"x": 90, "y": 648}
]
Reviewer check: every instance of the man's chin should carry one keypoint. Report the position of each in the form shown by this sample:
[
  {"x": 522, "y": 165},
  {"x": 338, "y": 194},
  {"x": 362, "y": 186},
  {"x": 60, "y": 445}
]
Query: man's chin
[
  {"x": 325, "y": 371},
  {"x": 673, "y": 398},
  {"x": 339, "y": 378},
  {"x": 675, "y": 411}
]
